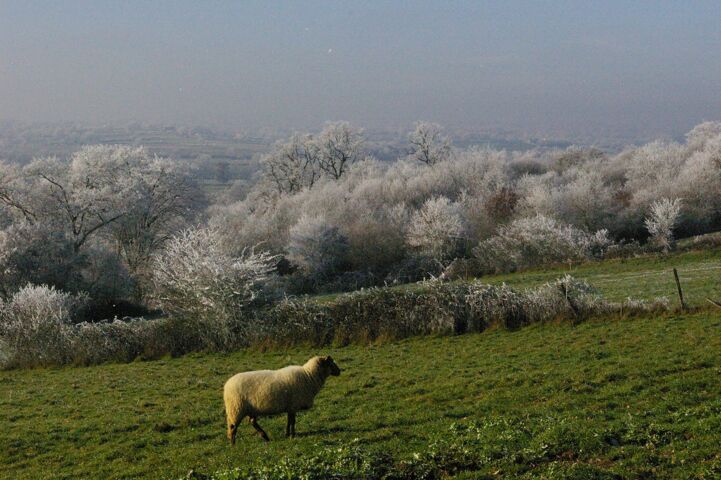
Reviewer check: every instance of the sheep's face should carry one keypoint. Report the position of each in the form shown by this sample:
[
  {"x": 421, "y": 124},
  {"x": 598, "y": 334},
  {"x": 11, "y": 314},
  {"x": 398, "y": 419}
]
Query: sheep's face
[{"x": 329, "y": 366}]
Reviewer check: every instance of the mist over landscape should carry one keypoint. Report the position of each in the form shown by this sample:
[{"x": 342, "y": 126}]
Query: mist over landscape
[
  {"x": 227, "y": 80},
  {"x": 446, "y": 239},
  {"x": 590, "y": 70}
]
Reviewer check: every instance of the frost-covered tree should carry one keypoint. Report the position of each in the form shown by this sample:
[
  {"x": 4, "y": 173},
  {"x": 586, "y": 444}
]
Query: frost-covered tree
[
  {"x": 293, "y": 165},
  {"x": 652, "y": 172},
  {"x": 663, "y": 217},
  {"x": 339, "y": 145},
  {"x": 96, "y": 188},
  {"x": 165, "y": 199},
  {"x": 702, "y": 133},
  {"x": 34, "y": 325},
  {"x": 317, "y": 246},
  {"x": 41, "y": 255},
  {"x": 428, "y": 144},
  {"x": 585, "y": 189},
  {"x": 194, "y": 277},
  {"x": 86, "y": 194},
  {"x": 585, "y": 199},
  {"x": 34, "y": 253},
  {"x": 699, "y": 184},
  {"x": 299, "y": 162},
  {"x": 115, "y": 197},
  {"x": 531, "y": 241},
  {"x": 435, "y": 229},
  {"x": 15, "y": 193}
]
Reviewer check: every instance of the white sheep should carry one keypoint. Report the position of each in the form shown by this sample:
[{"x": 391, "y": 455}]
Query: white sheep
[{"x": 270, "y": 392}]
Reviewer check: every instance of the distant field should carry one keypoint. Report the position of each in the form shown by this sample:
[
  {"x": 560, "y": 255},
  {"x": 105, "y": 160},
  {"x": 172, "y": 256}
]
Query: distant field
[{"x": 645, "y": 277}]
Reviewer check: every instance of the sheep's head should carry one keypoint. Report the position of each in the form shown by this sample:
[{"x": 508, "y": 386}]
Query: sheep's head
[{"x": 329, "y": 366}]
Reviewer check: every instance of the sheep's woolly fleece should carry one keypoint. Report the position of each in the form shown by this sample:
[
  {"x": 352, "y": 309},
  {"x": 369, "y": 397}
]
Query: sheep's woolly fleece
[{"x": 269, "y": 392}]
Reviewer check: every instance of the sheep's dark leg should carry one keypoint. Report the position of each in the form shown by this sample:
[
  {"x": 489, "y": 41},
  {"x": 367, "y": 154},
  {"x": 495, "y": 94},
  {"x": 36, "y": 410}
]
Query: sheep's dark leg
[
  {"x": 261, "y": 432},
  {"x": 290, "y": 427}
]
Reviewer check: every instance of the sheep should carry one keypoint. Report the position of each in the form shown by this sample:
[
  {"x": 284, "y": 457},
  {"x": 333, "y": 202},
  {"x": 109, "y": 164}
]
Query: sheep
[{"x": 269, "y": 392}]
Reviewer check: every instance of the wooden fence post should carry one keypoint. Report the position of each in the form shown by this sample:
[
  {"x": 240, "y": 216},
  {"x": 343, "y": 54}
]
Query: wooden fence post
[{"x": 680, "y": 292}]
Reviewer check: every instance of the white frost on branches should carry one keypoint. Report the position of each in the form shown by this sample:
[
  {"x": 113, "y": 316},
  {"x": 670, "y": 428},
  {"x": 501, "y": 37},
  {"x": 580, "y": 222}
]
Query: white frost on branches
[
  {"x": 531, "y": 241},
  {"x": 428, "y": 144},
  {"x": 316, "y": 246},
  {"x": 194, "y": 275},
  {"x": 663, "y": 218},
  {"x": 436, "y": 228}
]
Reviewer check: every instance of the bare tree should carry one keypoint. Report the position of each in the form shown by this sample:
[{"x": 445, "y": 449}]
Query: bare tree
[
  {"x": 167, "y": 198},
  {"x": 428, "y": 144},
  {"x": 15, "y": 192},
  {"x": 339, "y": 145},
  {"x": 293, "y": 165},
  {"x": 299, "y": 162},
  {"x": 115, "y": 194},
  {"x": 83, "y": 195}
]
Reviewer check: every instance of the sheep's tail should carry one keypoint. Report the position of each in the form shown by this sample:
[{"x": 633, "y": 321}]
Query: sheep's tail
[{"x": 233, "y": 414}]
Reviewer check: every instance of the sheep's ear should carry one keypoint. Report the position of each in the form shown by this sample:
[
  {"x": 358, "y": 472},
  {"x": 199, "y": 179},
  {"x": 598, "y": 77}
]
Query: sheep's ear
[{"x": 327, "y": 358}]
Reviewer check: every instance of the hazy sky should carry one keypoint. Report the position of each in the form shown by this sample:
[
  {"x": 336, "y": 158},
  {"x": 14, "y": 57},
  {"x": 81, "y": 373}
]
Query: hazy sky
[{"x": 650, "y": 66}]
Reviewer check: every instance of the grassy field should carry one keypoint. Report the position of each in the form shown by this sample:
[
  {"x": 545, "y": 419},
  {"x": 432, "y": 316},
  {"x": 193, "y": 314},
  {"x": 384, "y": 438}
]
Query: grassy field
[
  {"x": 609, "y": 398},
  {"x": 640, "y": 398},
  {"x": 645, "y": 277}
]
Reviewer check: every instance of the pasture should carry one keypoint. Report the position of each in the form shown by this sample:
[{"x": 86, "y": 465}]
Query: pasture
[
  {"x": 645, "y": 277},
  {"x": 635, "y": 397}
]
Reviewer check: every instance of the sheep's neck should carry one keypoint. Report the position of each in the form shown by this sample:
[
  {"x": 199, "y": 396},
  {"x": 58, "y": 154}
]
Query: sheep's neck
[{"x": 316, "y": 379}]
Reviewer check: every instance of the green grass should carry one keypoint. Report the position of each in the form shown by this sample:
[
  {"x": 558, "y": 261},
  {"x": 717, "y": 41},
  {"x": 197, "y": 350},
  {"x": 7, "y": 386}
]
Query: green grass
[
  {"x": 636, "y": 397},
  {"x": 640, "y": 397},
  {"x": 644, "y": 277}
]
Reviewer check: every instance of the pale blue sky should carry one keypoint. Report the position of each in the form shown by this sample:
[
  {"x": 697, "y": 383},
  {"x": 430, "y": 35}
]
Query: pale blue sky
[{"x": 653, "y": 66}]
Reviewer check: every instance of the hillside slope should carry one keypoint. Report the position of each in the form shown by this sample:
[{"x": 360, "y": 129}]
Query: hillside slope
[{"x": 635, "y": 398}]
